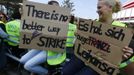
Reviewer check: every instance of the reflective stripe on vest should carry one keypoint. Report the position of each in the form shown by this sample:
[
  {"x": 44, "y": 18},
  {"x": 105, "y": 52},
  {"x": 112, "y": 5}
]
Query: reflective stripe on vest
[
  {"x": 54, "y": 58},
  {"x": 70, "y": 35},
  {"x": 13, "y": 36},
  {"x": 2, "y": 22},
  {"x": 124, "y": 64},
  {"x": 13, "y": 29}
]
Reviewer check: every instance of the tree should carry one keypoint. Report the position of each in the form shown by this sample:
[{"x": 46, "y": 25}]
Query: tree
[{"x": 68, "y": 4}]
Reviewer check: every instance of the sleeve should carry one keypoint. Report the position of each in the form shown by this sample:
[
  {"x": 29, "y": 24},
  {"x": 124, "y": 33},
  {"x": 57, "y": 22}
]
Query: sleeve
[{"x": 3, "y": 34}]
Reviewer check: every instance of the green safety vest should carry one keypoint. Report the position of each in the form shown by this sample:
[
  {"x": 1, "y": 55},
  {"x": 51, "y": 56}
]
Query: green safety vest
[
  {"x": 54, "y": 58},
  {"x": 13, "y": 30},
  {"x": 124, "y": 64},
  {"x": 70, "y": 35},
  {"x": 117, "y": 23}
]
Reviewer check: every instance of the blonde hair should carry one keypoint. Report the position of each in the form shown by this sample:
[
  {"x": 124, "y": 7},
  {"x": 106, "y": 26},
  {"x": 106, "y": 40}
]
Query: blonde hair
[{"x": 116, "y": 5}]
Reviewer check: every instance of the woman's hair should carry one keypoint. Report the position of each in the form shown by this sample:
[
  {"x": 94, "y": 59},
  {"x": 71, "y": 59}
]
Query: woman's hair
[{"x": 116, "y": 5}]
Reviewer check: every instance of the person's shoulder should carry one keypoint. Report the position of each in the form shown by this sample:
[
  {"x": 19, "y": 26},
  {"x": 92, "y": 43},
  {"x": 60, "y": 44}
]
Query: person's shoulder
[
  {"x": 2, "y": 24},
  {"x": 72, "y": 25},
  {"x": 118, "y": 23},
  {"x": 10, "y": 22}
]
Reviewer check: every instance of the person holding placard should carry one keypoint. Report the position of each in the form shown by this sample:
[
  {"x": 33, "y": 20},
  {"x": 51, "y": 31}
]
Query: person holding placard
[
  {"x": 71, "y": 37},
  {"x": 34, "y": 58},
  {"x": 105, "y": 9}
]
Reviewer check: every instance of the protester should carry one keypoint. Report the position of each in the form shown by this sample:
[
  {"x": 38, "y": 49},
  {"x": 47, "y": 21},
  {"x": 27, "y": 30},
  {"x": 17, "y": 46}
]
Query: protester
[
  {"x": 71, "y": 37},
  {"x": 34, "y": 58},
  {"x": 13, "y": 30},
  {"x": 3, "y": 35},
  {"x": 105, "y": 9}
]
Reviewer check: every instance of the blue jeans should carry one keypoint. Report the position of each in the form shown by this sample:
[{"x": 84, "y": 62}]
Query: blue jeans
[
  {"x": 32, "y": 61},
  {"x": 77, "y": 67}
]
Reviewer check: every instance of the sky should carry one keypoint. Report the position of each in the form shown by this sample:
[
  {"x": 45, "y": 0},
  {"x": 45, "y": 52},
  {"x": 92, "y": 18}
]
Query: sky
[{"x": 83, "y": 8}]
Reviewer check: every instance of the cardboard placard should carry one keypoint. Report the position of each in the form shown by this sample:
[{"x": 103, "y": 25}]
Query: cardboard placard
[
  {"x": 98, "y": 64},
  {"x": 45, "y": 12},
  {"x": 42, "y": 20},
  {"x": 104, "y": 42}
]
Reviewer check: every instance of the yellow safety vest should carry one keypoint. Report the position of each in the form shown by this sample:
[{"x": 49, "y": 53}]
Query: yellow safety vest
[
  {"x": 70, "y": 35},
  {"x": 54, "y": 58},
  {"x": 117, "y": 23},
  {"x": 2, "y": 22},
  {"x": 13, "y": 30}
]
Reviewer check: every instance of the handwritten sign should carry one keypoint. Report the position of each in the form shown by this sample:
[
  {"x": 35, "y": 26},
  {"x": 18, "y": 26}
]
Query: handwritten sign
[
  {"x": 119, "y": 36},
  {"x": 98, "y": 64},
  {"x": 104, "y": 41},
  {"x": 44, "y": 26}
]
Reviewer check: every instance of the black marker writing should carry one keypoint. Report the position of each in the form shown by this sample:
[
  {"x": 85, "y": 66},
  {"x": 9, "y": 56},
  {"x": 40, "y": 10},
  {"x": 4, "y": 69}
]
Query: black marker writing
[
  {"x": 41, "y": 14},
  {"x": 117, "y": 34},
  {"x": 54, "y": 29},
  {"x": 51, "y": 42},
  {"x": 32, "y": 26},
  {"x": 90, "y": 28},
  {"x": 101, "y": 45},
  {"x": 27, "y": 40},
  {"x": 87, "y": 55}
]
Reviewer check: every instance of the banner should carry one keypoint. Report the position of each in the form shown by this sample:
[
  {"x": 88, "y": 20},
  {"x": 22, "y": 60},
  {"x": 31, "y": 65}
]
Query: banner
[
  {"x": 100, "y": 43},
  {"x": 42, "y": 23}
]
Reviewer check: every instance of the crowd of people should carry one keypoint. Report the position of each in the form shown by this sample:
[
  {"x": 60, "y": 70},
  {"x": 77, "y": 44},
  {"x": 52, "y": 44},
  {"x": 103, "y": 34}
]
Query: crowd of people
[{"x": 33, "y": 59}]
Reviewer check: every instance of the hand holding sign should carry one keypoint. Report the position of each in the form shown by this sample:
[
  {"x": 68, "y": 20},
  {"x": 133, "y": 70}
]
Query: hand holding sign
[
  {"x": 105, "y": 42},
  {"x": 127, "y": 52},
  {"x": 44, "y": 27}
]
